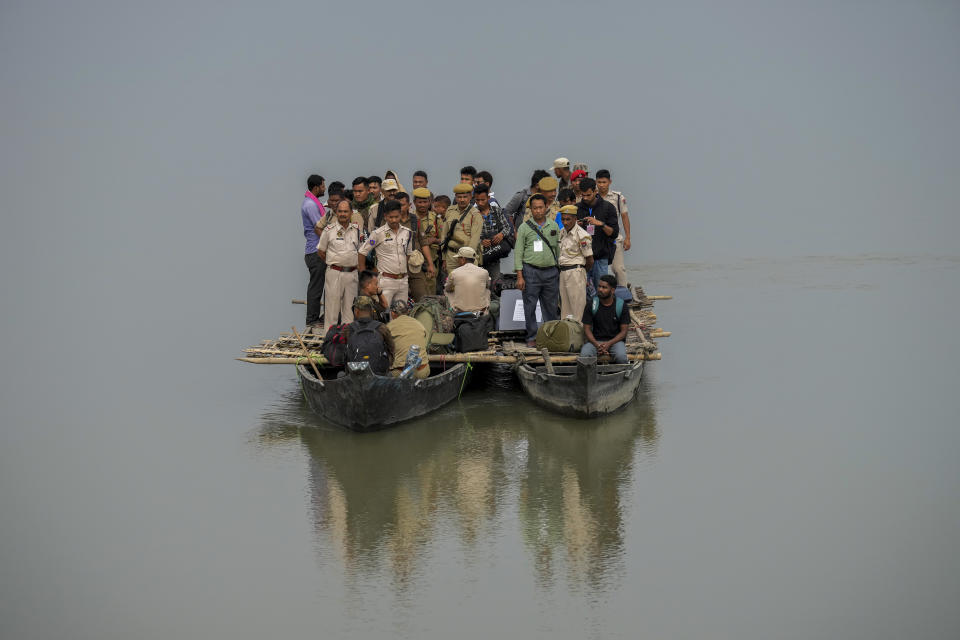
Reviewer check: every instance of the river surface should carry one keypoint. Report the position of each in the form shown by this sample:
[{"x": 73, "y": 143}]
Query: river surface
[{"x": 788, "y": 470}]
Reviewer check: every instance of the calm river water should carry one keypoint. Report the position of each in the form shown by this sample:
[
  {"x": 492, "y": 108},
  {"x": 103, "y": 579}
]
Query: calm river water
[{"x": 789, "y": 470}]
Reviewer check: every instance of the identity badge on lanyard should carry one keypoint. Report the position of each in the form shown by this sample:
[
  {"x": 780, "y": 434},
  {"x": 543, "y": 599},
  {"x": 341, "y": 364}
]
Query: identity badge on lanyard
[{"x": 538, "y": 245}]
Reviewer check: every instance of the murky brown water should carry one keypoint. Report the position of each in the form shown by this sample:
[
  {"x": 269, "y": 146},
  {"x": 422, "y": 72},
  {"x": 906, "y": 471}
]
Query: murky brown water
[{"x": 788, "y": 470}]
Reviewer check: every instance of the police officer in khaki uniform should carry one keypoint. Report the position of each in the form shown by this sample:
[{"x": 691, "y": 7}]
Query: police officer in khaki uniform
[
  {"x": 468, "y": 286},
  {"x": 338, "y": 247},
  {"x": 466, "y": 223},
  {"x": 576, "y": 257},
  {"x": 429, "y": 234},
  {"x": 406, "y": 332},
  {"x": 393, "y": 243},
  {"x": 547, "y": 187}
]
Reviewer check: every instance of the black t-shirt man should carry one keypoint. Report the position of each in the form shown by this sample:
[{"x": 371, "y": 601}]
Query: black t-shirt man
[{"x": 605, "y": 323}]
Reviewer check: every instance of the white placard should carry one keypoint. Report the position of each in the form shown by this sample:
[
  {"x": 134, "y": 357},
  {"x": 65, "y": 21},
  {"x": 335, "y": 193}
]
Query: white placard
[
  {"x": 538, "y": 245},
  {"x": 518, "y": 315}
]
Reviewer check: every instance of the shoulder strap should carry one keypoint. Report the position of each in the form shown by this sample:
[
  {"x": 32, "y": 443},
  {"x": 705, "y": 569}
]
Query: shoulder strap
[
  {"x": 595, "y": 305},
  {"x": 619, "y": 307},
  {"x": 549, "y": 246},
  {"x": 453, "y": 227}
]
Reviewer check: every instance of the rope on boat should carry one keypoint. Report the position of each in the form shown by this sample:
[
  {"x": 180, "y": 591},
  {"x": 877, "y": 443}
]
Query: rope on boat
[{"x": 463, "y": 382}]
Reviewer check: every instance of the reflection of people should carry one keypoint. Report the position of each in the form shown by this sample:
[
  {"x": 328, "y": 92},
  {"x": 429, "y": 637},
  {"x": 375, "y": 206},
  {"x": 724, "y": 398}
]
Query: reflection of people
[{"x": 384, "y": 501}]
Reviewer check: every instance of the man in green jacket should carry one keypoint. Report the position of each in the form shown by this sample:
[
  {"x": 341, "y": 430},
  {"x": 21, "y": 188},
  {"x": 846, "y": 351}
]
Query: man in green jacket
[{"x": 535, "y": 261}]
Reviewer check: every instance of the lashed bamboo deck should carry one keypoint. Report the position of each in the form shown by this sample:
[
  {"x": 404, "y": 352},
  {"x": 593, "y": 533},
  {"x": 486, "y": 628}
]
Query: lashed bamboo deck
[{"x": 505, "y": 347}]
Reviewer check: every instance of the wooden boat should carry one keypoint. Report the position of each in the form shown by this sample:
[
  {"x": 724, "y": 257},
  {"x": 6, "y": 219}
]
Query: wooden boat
[
  {"x": 585, "y": 390},
  {"x": 361, "y": 401}
]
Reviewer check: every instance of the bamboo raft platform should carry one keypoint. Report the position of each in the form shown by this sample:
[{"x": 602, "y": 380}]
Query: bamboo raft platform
[{"x": 505, "y": 347}]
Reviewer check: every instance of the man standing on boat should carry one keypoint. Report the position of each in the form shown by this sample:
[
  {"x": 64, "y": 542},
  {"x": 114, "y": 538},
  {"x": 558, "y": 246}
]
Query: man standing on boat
[
  {"x": 362, "y": 200},
  {"x": 547, "y": 187},
  {"x": 497, "y": 232},
  {"x": 393, "y": 243},
  {"x": 338, "y": 247},
  {"x": 599, "y": 218},
  {"x": 576, "y": 257},
  {"x": 606, "y": 321},
  {"x": 535, "y": 260},
  {"x": 429, "y": 226},
  {"x": 311, "y": 213},
  {"x": 462, "y": 225},
  {"x": 619, "y": 201},
  {"x": 561, "y": 169},
  {"x": 468, "y": 286}
]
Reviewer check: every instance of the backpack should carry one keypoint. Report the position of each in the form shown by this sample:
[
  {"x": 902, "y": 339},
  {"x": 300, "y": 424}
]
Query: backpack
[
  {"x": 335, "y": 345},
  {"x": 560, "y": 336},
  {"x": 596, "y": 305},
  {"x": 471, "y": 332},
  {"x": 365, "y": 344}
]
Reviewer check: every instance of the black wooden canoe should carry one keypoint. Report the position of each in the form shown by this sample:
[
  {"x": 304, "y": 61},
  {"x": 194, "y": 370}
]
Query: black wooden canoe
[
  {"x": 585, "y": 390},
  {"x": 362, "y": 401}
]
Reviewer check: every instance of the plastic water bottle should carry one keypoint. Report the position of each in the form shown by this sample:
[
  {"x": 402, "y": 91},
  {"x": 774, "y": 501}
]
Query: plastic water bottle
[{"x": 413, "y": 361}]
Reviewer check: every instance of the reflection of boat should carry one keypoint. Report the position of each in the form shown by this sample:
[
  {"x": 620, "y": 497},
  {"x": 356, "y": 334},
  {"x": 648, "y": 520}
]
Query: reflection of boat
[
  {"x": 585, "y": 389},
  {"x": 362, "y": 401}
]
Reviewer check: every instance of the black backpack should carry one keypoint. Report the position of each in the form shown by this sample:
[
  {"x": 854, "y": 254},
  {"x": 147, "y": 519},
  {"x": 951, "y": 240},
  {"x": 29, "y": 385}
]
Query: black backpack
[
  {"x": 471, "y": 332},
  {"x": 365, "y": 344},
  {"x": 335, "y": 345}
]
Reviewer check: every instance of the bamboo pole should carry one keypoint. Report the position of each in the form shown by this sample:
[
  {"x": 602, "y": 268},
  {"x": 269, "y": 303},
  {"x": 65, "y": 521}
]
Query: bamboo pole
[
  {"x": 295, "y": 301},
  {"x": 659, "y": 297},
  {"x": 306, "y": 352},
  {"x": 660, "y": 334},
  {"x": 646, "y": 344},
  {"x": 467, "y": 357}
]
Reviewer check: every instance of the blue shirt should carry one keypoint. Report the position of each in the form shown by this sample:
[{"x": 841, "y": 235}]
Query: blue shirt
[{"x": 311, "y": 215}]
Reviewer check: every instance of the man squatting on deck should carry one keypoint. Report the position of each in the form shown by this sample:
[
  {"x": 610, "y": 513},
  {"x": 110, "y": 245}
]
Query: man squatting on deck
[{"x": 417, "y": 252}]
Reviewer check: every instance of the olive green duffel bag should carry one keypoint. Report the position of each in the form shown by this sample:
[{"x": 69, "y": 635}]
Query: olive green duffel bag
[{"x": 560, "y": 336}]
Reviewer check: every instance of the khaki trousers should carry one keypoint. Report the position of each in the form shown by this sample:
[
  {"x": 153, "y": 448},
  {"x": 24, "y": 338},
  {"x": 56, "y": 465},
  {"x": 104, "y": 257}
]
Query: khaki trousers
[
  {"x": 617, "y": 266},
  {"x": 394, "y": 288},
  {"x": 573, "y": 293},
  {"x": 339, "y": 290}
]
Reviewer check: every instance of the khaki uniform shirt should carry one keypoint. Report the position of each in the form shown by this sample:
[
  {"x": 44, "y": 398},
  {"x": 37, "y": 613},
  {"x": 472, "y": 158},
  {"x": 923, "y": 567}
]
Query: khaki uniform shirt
[
  {"x": 429, "y": 227},
  {"x": 415, "y": 235},
  {"x": 392, "y": 248},
  {"x": 619, "y": 203},
  {"x": 341, "y": 245},
  {"x": 466, "y": 233},
  {"x": 468, "y": 288},
  {"x": 407, "y": 331},
  {"x": 575, "y": 246}
]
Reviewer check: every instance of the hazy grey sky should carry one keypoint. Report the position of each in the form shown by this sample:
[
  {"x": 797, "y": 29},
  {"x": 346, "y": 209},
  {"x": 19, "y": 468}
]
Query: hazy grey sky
[{"x": 139, "y": 131}]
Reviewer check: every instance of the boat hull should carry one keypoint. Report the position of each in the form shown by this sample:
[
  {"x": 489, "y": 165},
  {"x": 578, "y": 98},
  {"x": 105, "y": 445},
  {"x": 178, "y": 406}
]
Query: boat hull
[
  {"x": 362, "y": 401},
  {"x": 584, "y": 390}
]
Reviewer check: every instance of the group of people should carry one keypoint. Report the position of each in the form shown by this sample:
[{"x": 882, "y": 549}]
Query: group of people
[{"x": 374, "y": 244}]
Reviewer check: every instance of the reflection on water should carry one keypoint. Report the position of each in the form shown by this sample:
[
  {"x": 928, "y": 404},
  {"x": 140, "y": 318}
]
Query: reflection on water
[{"x": 384, "y": 500}]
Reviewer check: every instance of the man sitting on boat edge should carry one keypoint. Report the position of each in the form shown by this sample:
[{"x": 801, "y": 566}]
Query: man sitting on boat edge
[
  {"x": 601, "y": 319},
  {"x": 406, "y": 332}
]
